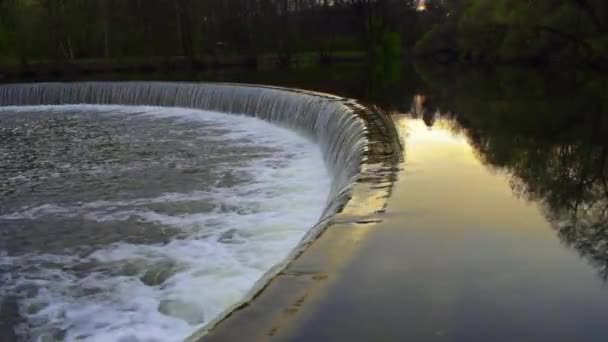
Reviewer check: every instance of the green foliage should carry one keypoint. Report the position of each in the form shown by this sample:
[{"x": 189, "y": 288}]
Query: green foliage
[
  {"x": 4, "y": 42},
  {"x": 519, "y": 44},
  {"x": 476, "y": 30},
  {"x": 439, "y": 38},
  {"x": 388, "y": 46},
  {"x": 506, "y": 30},
  {"x": 66, "y": 30},
  {"x": 600, "y": 45}
]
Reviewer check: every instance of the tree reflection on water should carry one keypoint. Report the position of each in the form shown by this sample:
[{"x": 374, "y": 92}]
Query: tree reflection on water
[{"x": 549, "y": 135}]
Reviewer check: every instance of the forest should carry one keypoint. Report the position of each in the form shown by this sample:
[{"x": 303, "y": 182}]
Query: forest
[
  {"x": 516, "y": 31},
  {"x": 469, "y": 31}
]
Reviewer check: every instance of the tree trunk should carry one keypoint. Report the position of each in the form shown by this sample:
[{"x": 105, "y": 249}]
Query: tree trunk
[
  {"x": 184, "y": 29},
  {"x": 106, "y": 27}
]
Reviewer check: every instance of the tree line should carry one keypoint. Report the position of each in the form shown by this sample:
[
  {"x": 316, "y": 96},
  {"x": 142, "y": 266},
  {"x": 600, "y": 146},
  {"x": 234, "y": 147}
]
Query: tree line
[
  {"x": 539, "y": 31},
  {"x": 33, "y": 30}
]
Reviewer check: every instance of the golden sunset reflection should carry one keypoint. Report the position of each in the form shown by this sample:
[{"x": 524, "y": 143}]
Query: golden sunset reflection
[
  {"x": 443, "y": 174},
  {"x": 457, "y": 248}
]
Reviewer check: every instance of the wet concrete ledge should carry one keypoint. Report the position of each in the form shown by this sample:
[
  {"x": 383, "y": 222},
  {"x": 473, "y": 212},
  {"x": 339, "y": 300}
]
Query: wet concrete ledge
[{"x": 278, "y": 310}]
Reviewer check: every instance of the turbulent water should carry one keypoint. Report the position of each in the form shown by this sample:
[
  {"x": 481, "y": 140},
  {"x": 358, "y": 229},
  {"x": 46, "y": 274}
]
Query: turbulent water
[
  {"x": 145, "y": 223},
  {"x": 334, "y": 123},
  {"x": 147, "y": 244}
]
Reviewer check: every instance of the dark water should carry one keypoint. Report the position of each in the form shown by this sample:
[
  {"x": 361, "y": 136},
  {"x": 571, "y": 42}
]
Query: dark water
[
  {"x": 497, "y": 229},
  {"x": 544, "y": 132},
  {"x": 498, "y": 226}
]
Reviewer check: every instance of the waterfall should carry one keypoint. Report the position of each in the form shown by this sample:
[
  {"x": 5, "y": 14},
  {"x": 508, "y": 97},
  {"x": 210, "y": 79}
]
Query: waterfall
[
  {"x": 360, "y": 145},
  {"x": 328, "y": 120}
]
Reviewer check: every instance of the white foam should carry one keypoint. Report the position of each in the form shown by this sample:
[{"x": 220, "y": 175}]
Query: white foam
[{"x": 215, "y": 262}]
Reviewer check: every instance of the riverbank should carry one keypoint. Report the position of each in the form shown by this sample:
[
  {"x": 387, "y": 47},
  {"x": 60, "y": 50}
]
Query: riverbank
[{"x": 32, "y": 70}]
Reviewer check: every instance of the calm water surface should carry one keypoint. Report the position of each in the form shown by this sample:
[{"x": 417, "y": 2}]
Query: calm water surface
[{"x": 476, "y": 258}]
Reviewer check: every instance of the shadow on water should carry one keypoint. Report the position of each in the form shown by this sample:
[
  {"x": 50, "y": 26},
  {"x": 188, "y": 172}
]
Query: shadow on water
[{"x": 548, "y": 132}]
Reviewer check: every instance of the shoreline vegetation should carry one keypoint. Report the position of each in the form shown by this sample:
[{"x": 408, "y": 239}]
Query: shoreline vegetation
[
  {"x": 173, "y": 63},
  {"x": 527, "y": 33},
  {"x": 63, "y": 37},
  {"x": 52, "y": 70}
]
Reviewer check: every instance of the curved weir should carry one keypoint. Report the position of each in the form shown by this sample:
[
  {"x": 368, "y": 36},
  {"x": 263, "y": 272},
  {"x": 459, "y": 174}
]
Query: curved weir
[{"x": 360, "y": 146}]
